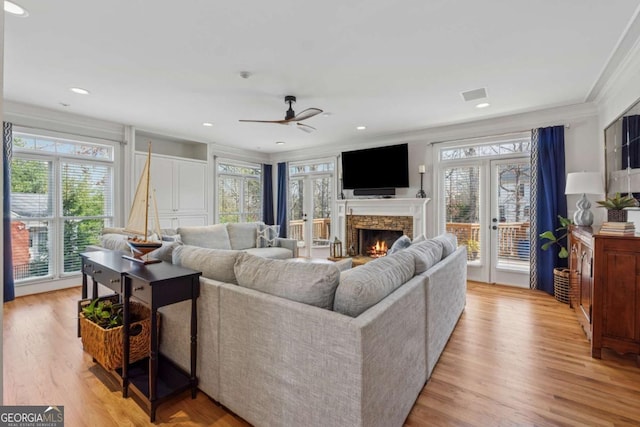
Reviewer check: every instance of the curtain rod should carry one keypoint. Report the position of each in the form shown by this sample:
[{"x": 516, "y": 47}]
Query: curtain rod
[{"x": 486, "y": 136}]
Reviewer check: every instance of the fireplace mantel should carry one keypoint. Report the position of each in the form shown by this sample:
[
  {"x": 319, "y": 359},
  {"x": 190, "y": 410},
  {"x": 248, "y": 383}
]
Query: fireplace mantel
[{"x": 416, "y": 208}]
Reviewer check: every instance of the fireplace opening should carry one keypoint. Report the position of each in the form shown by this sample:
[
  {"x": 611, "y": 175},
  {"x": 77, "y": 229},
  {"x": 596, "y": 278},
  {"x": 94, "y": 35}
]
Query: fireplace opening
[{"x": 375, "y": 243}]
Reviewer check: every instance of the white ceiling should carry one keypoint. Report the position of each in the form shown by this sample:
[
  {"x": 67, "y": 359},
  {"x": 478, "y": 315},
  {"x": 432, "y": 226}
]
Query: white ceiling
[{"x": 167, "y": 67}]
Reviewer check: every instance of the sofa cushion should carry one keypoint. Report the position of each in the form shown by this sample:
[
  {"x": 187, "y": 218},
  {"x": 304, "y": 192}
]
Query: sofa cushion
[
  {"x": 242, "y": 235},
  {"x": 208, "y": 236},
  {"x": 418, "y": 239},
  {"x": 363, "y": 287},
  {"x": 403, "y": 242},
  {"x": 165, "y": 252},
  {"x": 115, "y": 242},
  {"x": 308, "y": 283},
  {"x": 427, "y": 254},
  {"x": 273, "y": 253},
  {"x": 449, "y": 243},
  {"x": 267, "y": 236},
  {"x": 216, "y": 264}
]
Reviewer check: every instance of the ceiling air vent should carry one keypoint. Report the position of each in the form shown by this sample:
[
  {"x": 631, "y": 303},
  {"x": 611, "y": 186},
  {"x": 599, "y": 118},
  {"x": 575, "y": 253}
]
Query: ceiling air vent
[{"x": 472, "y": 95}]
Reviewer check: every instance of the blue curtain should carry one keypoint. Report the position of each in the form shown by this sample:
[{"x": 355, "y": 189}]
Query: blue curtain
[
  {"x": 631, "y": 141},
  {"x": 7, "y": 280},
  {"x": 551, "y": 201},
  {"x": 267, "y": 194},
  {"x": 282, "y": 198}
]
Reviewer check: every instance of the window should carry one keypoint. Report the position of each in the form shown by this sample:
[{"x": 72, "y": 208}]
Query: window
[
  {"x": 61, "y": 198},
  {"x": 239, "y": 191}
]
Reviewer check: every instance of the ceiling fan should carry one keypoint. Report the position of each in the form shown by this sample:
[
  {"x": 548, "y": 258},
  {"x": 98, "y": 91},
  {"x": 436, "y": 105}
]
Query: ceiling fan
[{"x": 291, "y": 118}]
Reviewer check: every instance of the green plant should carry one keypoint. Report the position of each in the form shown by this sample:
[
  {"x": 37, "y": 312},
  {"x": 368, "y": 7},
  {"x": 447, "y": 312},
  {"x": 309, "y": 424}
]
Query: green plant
[
  {"x": 618, "y": 202},
  {"x": 473, "y": 245},
  {"x": 104, "y": 313},
  {"x": 556, "y": 237}
]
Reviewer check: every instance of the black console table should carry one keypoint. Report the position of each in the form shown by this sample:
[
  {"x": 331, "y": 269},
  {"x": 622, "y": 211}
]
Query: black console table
[{"x": 155, "y": 285}]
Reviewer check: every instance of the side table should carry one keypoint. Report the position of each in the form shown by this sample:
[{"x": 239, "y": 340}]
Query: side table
[{"x": 155, "y": 285}]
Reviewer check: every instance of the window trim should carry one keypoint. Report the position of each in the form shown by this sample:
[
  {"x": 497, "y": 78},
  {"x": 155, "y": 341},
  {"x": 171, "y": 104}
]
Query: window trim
[{"x": 241, "y": 163}]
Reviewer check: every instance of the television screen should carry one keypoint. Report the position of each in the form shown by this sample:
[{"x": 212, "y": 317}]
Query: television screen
[{"x": 379, "y": 167}]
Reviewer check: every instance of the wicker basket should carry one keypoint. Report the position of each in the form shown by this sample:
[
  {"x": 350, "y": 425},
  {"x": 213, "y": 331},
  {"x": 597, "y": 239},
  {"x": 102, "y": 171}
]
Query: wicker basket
[
  {"x": 561, "y": 284},
  {"x": 105, "y": 345}
]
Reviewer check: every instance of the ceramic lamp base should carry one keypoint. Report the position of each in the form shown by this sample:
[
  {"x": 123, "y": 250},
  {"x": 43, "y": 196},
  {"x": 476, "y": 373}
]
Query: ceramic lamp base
[{"x": 583, "y": 215}]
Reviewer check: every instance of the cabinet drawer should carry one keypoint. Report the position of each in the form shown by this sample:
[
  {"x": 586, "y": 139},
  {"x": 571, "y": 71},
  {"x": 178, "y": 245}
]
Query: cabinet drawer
[
  {"x": 141, "y": 291},
  {"x": 104, "y": 276}
]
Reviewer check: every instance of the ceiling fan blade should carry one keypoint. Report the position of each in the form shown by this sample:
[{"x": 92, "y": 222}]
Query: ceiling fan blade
[
  {"x": 305, "y": 128},
  {"x": 306, "y": 114},
  {"x": 281, "y": 122}
]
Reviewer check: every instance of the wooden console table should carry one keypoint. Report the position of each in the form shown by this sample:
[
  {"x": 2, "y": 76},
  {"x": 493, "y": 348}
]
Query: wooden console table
[{"x": 156, "y": 285}]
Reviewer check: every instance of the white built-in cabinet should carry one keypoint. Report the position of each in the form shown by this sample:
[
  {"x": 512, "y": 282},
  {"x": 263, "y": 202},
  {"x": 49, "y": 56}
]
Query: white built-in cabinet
[{"x": 181, "y": 189}]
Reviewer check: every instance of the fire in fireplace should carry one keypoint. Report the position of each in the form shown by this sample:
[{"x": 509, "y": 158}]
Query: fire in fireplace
[{"x": 375, "y": 243}]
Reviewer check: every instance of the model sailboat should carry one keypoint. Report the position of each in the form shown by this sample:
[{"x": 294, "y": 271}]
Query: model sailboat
[{"x": 138, "y": 223}]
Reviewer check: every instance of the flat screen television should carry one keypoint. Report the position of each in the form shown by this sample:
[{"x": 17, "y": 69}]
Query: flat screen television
[{"x": 373, "y": 170}]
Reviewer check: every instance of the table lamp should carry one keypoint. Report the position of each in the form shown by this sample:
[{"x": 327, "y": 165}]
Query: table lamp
[{"x": 584, "y": 183}]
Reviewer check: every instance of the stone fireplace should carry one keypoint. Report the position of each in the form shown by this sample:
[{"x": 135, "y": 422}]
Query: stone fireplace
[
  {"x": 360, "y": 221},
  {"x": 376, "y": 243},
  {"x": 365, "y": 231}
]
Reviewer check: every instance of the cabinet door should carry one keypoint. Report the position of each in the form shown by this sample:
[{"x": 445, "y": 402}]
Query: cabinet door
[
  {"x": 586, "y": 281},
  {"x": 191, "y": 187},
  {"x": 161, "y": 181},
  {"x": 619, "y": 314}
]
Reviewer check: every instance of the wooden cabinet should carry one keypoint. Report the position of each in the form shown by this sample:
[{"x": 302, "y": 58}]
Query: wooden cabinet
[
  {"x": 181, "y": 189},
  {"x": 616, "y": 296},
  {"x": 581, "y": 276}
]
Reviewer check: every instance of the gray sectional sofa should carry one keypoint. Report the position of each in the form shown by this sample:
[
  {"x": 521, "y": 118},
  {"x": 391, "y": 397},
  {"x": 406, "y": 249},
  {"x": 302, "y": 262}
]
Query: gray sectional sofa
[
  {"x": 251, "y": 237},
  {"x": 284, "y": 343}
]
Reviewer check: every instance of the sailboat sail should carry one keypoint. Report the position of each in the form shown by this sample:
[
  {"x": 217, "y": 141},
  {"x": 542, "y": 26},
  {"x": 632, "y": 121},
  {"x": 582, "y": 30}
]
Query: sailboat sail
[{"x": 138, "y": 222}]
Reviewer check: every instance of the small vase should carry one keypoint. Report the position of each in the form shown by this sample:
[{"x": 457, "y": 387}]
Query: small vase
[{"x": 617, "y": 215}]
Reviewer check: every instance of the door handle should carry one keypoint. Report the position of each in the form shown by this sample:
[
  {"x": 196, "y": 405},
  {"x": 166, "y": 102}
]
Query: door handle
[
  {"x": 304, "y": 217},
  {"x": 494, "y": 227}
]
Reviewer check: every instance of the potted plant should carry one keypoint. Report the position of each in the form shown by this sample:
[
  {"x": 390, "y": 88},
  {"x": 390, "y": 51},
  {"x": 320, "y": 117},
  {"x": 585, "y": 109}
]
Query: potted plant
[
  {"x": 560, "y": 275},
  {"x": 473, "y": 247},
  {"x": 557, "y": 237},
  {"x": 615, "y": 206}
]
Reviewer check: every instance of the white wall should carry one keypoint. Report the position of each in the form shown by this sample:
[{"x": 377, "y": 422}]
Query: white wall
[{"x": 583, "y": 146}]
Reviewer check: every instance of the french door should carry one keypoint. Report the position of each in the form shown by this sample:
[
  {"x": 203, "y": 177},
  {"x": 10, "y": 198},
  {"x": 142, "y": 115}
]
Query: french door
[
  {"x": 486, "y": 204},
  {"x": 311, "y": 194}
]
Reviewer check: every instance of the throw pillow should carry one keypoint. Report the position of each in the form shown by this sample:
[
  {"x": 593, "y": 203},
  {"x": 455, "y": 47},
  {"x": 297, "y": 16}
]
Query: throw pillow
[
  {"x": 208, "y": 236},
  {"x": 165, "y": 252},
  {"x": 363, "y": 287},
  {"x": 418, "y": 239},
  {"x": 266, "y": 237},
  {"x": 216, "y": 264},
  {"x": 449, "y": 243},
  {"x": 305, "y": 282},
  {"x": 401, "y": 243},
  {"x": 427, "y": 254}
]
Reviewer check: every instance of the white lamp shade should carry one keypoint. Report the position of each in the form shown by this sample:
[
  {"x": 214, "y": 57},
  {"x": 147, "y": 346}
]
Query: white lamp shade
[{"x": 584, "y": 183}]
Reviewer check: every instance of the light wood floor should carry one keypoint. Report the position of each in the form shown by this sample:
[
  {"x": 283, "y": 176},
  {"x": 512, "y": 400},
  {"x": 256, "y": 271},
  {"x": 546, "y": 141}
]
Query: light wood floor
[{"x": 517, "y": 357}]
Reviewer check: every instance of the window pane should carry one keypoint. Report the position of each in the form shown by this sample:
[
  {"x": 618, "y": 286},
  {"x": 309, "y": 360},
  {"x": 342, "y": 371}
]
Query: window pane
[
  {"x": 30, "y": 188},
  {"x": 513, "y": 201},
  {"x": 253, "y": 200},
  {"x": 229, "y": 203},
  {"x": 86, "y": 190},
  {"x": 78, "y": 234},
  {"x": 461, "y": 197},
  {"x": 30, "y": 248}
]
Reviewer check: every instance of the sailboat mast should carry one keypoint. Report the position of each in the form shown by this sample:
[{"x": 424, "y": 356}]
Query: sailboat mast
[{"x": 146, "y": 208}]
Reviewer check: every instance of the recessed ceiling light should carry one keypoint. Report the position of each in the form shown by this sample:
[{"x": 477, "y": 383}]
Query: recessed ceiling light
[
  {"x": 207, "y": 124},
  {"x": 14, "y": 9},
  {"x": 361, "y": 128},
  {"x": 326, "y": 114},
  {"x": 79, "y": 91},
  {"x": 279, "y": 142},
  {"x": 483, "y": 105}
]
